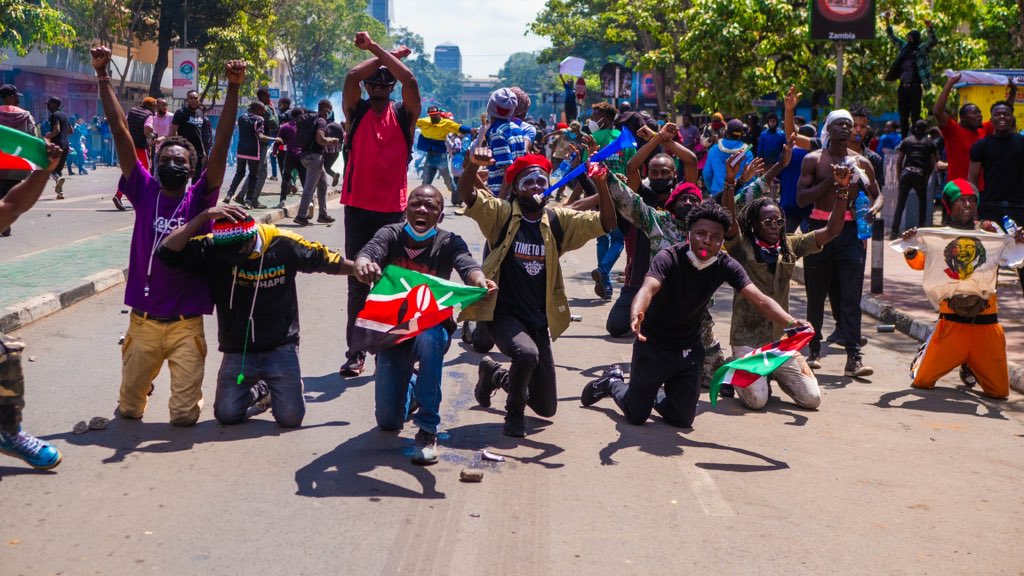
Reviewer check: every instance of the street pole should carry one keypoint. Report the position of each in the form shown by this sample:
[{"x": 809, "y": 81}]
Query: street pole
[
  {"x": 185, "y": 45},
  {"x": 839, "y": 74},
  {"x": 618, "y": 79}
]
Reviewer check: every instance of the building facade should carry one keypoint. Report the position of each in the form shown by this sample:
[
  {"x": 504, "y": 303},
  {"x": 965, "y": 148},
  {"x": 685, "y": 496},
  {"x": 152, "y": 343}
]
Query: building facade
[
  {"x": 382, "y": 10},
  {"x": 447, "y": 56}
]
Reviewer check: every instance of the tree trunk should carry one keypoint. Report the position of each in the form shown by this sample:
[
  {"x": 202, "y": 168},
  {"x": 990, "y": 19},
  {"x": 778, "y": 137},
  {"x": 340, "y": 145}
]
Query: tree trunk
[{"x": 163, "y": 45}]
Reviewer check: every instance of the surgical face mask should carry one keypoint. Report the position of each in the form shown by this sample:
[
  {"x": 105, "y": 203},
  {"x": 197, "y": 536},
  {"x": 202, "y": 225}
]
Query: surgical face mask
[
  {"x": 593, "y": 125},
  {"x": 172, "y": 176},
  {"x": 697, "y": 262},
  {"x": 662, "y": 185},
  {"x": 420, "y": 237}
]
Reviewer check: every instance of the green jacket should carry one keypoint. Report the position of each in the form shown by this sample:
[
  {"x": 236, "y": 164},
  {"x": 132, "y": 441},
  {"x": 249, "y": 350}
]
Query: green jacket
[{"x": 491, "y": 214}]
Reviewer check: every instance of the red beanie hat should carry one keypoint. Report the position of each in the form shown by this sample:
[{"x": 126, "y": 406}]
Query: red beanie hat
[
  {"x": 524, "y": 162},
  {"x": 683, "y": 188}
]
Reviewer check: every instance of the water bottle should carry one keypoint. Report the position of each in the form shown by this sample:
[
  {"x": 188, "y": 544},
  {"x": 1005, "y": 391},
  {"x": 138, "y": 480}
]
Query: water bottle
[
  {"x": 1009, "y": 225},
  {"x": 563, "y": 168},
  {"x": 862, "y": 205}
]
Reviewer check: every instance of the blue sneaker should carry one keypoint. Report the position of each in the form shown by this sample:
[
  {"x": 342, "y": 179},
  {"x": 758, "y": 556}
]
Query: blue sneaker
[{"x": 39, "y": 454}]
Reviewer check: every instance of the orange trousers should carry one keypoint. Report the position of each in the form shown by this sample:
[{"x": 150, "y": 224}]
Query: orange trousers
[{"x": 980, "y": 346}]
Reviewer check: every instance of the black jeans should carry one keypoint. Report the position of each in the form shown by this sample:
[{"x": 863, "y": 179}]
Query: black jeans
[
  {"x": 245, "y": 168},
  {"x": 530, "y": 380},
  {"x": 918, "y": 182},
  {"x": 840, "y": 262},
  {"x": 360, "y": 226},
  {"x": 329, "y": 160},
  {"x": 288, "y": 164},
  {"x": 618, "y": 317},
  {"x": 677, "y": 368},
  {"x": 908, "y": 99}
]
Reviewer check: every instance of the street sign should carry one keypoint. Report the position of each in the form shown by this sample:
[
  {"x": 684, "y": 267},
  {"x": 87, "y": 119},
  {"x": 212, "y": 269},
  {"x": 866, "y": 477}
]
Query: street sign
[
  {"x": 841, "y": 20},
  {"x": 764, "y": 103},
  {"x": 275, "y": 93},
  {"x": 185, "y": 71}
]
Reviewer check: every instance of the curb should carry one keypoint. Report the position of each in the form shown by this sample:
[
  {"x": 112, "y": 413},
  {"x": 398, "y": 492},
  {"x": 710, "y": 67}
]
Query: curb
[
  {"x": 27, "y": 311},
  {"x": 913, "y": 327}
]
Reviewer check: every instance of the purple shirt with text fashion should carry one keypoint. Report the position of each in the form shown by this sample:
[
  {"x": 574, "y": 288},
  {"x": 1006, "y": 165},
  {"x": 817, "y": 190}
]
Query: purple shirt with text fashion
[{"x": 172, "y": 292}]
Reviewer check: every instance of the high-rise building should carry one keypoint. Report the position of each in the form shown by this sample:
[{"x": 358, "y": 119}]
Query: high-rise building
[
  {"x": 447, "y": 56},
  {"x": 382, "y": 10}
]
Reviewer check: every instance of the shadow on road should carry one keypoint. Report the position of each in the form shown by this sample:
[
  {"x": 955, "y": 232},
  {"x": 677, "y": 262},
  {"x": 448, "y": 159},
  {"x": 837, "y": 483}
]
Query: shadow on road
[
  {"x": 330, "y": 386},
  {"x": 343, "y": 472},
  {"x": 125, "y": 437},
  {"x": 776, "y": 405},
  {"x": 6, "y": 471},
  {"x": 664, "y": 440},
  {"x": 945, "y": 400},
  {"x": 488, "y": 435}
]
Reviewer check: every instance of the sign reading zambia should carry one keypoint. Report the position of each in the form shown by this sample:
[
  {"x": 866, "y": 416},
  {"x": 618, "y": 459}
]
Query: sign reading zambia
[{"x": 839, "y": 20}]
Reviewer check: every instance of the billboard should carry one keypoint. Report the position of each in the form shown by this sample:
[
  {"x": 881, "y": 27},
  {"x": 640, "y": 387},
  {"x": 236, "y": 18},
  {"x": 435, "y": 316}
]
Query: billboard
[
  {"x": 185, "y": 71},
  {"x": 842, "y": 20},
  {"x": 608, "y": 78}
]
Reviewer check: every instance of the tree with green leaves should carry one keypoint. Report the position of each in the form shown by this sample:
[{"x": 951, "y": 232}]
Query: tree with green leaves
[
  {"x": 525, "y": 70},
  {"x": 26, "y": 25}
]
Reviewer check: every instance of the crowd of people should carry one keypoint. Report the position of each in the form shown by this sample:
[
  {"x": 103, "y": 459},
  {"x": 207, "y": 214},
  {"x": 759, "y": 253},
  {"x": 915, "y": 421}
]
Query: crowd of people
[{"x": 692, "y": 207}]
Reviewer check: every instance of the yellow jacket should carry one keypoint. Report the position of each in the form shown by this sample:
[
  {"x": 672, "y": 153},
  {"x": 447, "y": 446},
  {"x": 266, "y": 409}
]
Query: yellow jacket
[
  {"x": 491, "y": 214},
  {"x": 437, "y": 131}
]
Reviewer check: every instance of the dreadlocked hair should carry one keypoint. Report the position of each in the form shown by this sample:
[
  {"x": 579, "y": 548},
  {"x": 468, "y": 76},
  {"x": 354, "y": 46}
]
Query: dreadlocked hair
[
  {"x": 178, "y": 141},
  {"x": 748, "y": 218},
  {"x": 709, "y": 210}
]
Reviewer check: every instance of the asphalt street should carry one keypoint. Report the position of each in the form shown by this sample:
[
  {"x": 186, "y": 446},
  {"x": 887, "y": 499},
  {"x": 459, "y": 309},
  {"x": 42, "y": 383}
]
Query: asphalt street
[{"x": 881, "y": 479}]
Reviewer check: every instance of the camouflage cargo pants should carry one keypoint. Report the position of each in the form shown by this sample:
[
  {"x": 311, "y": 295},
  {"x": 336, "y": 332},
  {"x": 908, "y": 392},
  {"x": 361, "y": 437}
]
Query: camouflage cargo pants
[{"x": 12, "y": 383}]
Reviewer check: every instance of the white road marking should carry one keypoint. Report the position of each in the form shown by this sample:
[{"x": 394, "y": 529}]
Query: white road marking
[{"x": 706, "y": 491}]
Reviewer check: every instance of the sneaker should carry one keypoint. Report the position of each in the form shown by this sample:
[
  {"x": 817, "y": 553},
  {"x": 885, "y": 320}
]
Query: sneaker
[
  {"x": 59, "y": 188},
  {"x": 599, "y": 287},
  {"x": 118, "y": 203},
  {"x": 325, "y": 218},
  {"x": 855, "y": 368},
  {"x": 261, "y": 393},
  {"x": 599, "y": 388},
  {"x": 301, "y": 221},
  {"x": 515, "y": 426},
  {"x": 814, "y": 361},
  {"x": 272, "y": 178},
  {"x": 280, "y": 205},
  {"x": 37, "y": 453},
  {"x": 608, "y": 292},
  {"x": 967, "y": 376},
  {"x": 485, "y": 387},
  {"x": 353, "y": 366},
  {"x": 426, "y": 449},
  {"x": 309, "y": 212},
  {"x": 334, "y": 180},
  {"x": 227, "y": 200},
  {"x": 256, "y": 206}
]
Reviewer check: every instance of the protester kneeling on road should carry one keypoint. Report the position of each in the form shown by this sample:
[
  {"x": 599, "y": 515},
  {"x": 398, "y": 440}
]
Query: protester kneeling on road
[
  {"x": 418, "y": 245},
  {"x": 251, "y": 270},
  {"x": 666, "y": 319}
]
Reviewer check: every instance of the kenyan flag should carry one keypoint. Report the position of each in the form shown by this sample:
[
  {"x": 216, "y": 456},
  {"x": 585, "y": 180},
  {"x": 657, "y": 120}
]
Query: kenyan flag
[
  {"x": 20, "y": 151},
  {"x": 404, "y": 303},
  {"x": 743, "y": 372}
]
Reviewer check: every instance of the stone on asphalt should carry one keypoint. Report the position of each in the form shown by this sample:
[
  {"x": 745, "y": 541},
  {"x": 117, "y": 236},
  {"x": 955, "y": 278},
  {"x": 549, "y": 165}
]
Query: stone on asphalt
[{"x": 471, "y": 475}]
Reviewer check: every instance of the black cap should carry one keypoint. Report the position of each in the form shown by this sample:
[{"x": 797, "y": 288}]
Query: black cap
[{"x": 9, "y": 90}]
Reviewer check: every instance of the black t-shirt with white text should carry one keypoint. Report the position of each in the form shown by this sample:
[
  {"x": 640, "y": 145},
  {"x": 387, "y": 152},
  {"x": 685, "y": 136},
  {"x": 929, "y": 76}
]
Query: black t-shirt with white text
[
  {"x": 673, "y": 318},
  {"x": 523, "y": 280},
  {"x": 190, "y": 127}
]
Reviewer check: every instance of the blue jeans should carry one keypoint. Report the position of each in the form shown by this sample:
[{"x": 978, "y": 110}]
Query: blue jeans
[
  {"x": 396, "y": 384},
  {"x": 609, "y": 248},
  {"x": 279, "y": 368}
]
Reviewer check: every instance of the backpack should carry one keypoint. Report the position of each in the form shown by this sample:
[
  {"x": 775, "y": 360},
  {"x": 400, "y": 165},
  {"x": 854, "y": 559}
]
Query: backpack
[
  {"x": 553, "y": 222},
  {"x": 362, "y": 107},
  {"x": 305, "y": 130}
]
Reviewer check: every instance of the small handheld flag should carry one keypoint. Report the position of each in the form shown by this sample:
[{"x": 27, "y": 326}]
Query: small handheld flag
[
  {"x": 21, "y": 151},
  {"x": 743, "y": 372}
]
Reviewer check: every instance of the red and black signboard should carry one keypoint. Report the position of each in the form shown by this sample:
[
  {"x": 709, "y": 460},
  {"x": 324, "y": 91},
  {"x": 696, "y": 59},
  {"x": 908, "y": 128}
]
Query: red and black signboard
[{"x": 842, "y": 20}]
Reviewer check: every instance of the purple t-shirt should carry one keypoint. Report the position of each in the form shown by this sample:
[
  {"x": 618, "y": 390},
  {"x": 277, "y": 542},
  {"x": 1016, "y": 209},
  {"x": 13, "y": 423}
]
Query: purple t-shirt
[{"x": 172, "y": 291}]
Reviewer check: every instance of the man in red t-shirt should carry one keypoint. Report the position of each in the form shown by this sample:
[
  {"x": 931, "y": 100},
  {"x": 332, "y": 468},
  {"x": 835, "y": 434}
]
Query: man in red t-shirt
[
  {"x": 376, "y": 161},
  {"x": 959, "y": 137}
]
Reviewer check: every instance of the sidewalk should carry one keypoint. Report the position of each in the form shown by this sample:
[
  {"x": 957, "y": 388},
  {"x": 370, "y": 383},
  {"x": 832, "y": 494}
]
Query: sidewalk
[
  {"x": 41, "y": 283},
  {"x": 903, "y": 303}
]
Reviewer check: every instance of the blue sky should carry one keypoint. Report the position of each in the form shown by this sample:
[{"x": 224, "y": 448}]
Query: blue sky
[{"x": 487, "y": 32}]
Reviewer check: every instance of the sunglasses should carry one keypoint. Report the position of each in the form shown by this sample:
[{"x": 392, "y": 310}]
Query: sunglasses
[{"x": 773, "y": 222}]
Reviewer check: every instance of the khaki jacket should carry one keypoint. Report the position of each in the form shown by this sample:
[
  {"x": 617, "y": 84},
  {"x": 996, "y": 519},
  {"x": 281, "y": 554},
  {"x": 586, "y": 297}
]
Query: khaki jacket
[{"x": 491, "y": 214}]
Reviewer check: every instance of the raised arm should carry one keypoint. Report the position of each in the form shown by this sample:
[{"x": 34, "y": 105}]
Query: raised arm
[
  {"x": 477, "y": 158},
  {"x": 607, "y": 209},
  {"x": 115, "y": 114},
  {"x": 768, "y": 308},
  {"x": 732, "y": 167},
  {"x": 352, "y": 91},
  {"x": 941, "y": 116},
  {"x": 178, "y": 239},
  {"x": 217, "y": 164},
  {"x": 402, "y": 73},
  {"x": 633, "y": 175}
]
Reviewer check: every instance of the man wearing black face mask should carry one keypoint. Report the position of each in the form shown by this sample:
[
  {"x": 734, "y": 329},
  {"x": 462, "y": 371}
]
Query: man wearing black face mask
[
  {"x": 531, "y": 307},
  {"x": 167, "y": 305}
]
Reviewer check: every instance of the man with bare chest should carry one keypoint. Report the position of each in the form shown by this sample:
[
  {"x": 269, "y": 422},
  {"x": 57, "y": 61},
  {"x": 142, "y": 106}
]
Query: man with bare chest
[{"x": 828, "y": 176}]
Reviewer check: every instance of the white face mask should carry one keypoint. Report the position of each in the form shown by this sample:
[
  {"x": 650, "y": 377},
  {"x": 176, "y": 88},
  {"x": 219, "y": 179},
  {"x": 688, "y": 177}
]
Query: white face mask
[
  {"x": 593, "y": 125},
  {"x": 697, "y": 262}
]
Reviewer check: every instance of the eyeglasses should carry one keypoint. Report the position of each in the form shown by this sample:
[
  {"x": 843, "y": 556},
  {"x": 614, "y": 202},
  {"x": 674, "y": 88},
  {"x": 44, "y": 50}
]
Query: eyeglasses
[
  {"x": 708, "y": 237},
  {"x": 968, "y": 199},
  {"x": 773, "y": 222}
]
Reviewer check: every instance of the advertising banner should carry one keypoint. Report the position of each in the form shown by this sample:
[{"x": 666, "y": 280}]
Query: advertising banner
[
  {"x": 842, "y": 20},
  {"x": 185, "y": 71}
]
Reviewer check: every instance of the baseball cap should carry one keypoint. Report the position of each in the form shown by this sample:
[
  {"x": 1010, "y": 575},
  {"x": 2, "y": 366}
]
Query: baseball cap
[{"x": 9, "y": 90}]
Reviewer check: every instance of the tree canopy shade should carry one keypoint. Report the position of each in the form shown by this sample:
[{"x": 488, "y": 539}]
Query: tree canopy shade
[{"x": 28, "y": 24}]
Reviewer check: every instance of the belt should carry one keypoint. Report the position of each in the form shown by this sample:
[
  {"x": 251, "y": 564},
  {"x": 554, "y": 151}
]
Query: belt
[
  {"x": 818, "y": 214},
  {"x": 148, "y": 316},
  {"x": 980, "y": 319}
]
